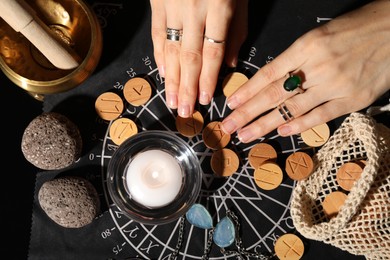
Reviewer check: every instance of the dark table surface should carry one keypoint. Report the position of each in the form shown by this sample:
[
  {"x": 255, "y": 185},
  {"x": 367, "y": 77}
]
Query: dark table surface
[
  {"x": 19, "y": 178},
  {"x": 19, "y": 108}
]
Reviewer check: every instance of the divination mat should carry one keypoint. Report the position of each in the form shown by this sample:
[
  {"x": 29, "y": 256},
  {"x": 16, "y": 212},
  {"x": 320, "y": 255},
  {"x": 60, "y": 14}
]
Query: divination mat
[{"x": 127, "y": 53}]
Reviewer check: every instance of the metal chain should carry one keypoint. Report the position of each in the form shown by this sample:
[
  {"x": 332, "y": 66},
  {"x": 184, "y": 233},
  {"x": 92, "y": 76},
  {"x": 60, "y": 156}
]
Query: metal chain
[
  {"x": 207, "y": 248},
  {"x": 241, "y": 252},
  {"x": 179, "y": 239}
]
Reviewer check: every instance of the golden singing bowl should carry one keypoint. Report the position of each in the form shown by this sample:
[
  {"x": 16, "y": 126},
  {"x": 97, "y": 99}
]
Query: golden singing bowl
[{"x": 76, "y": 25}]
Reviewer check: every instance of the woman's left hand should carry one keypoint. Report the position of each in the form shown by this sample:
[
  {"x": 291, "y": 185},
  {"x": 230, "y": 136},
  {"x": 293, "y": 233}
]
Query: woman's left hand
[{"x": 211, "y": 32}]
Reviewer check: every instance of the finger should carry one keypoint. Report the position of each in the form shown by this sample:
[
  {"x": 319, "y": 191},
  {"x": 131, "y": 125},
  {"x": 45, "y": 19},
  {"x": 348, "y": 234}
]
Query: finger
[
  {"x": 212, "y": 60},
  {"x": 217, "y": 23},
  {"x": 319, "y": 115},
  {"x": 258, "y": 129},
  {"x": 158, "y": 33},
  {"x": 295, "y": 107},
  {"x": 190, "y": 57},
  {"x": 237, "y": 33},
  {"x": 261, "y": 102},
  {"x": 172, "y": 56},
  {"x": 288, "y": 61}
]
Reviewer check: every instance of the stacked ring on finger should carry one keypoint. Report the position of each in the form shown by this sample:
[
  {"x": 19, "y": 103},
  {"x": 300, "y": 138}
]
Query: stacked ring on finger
[
  {"x": 285, "y": 113},
  {"x": 293, "y": 82},
  {"x": 174, "y": 34}
]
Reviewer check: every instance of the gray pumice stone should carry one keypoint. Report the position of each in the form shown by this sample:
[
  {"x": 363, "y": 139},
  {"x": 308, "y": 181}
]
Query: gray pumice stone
[
  {"x": 51, "y": 141},
  {"x": 71, "y": 202}
]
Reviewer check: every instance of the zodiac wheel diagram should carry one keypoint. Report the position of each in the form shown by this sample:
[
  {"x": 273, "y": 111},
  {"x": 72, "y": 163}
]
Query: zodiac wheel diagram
[{"x": 263, "y": 215}]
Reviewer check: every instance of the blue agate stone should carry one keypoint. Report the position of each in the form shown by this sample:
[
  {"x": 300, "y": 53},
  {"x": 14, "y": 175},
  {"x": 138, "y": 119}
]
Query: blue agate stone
[
  {"x": 198, "y": 216},
  {"x": 224, "y": 233}
]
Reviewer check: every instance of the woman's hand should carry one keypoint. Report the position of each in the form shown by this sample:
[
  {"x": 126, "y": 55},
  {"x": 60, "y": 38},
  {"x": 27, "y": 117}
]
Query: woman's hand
[
  {"x": 212, "y": 30},
  {"x": 344, "y": 66}
]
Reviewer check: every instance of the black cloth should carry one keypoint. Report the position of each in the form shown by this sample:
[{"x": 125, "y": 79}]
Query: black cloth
[{"x": 127, "y": 52}]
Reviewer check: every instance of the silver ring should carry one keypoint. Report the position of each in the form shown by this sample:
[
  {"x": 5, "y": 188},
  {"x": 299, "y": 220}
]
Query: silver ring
[
  {"x": 174, "y": 34},
  {"x": 175, "y": 38},
  {"x": 213, "y": 41},
  {"x": 285, "y": 113}
]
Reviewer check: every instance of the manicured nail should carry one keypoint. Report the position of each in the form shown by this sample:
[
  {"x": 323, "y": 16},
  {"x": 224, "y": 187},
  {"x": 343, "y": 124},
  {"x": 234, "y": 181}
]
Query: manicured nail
[
  {"x": 172, "y": 101},
  {"x": 184, "y": 111},
  {"x": 232, "y": 102},
  {"x": 245, "y": 135},
  {"x": 284, "y": 130},
  {"x": 204, "y": 98},
  {"x": 229, "y": 126}
]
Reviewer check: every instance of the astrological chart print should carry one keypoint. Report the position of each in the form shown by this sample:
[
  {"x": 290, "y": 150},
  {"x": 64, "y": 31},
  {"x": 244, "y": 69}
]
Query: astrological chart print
[
  {"x": 263, "y": 214},
  {"x": 128, "y": 53}
]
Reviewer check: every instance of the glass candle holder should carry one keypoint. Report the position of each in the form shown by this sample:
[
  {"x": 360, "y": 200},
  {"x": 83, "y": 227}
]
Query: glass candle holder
[{"x": 154, "y": 177}]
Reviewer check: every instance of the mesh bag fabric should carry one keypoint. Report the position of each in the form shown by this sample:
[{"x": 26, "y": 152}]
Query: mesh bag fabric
[{"x": 362, "y": 225}]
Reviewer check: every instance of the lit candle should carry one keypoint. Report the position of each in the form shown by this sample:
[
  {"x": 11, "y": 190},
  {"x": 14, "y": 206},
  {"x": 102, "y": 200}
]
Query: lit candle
[{"x": 154, "y": 178}]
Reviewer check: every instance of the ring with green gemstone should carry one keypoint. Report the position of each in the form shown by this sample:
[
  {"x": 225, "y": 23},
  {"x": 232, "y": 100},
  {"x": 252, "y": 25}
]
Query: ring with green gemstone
[{"x": 293, "y": 82}]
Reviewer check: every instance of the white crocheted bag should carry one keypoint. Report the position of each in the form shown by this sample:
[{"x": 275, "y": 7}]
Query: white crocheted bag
[{"x": 362, "y": 225}]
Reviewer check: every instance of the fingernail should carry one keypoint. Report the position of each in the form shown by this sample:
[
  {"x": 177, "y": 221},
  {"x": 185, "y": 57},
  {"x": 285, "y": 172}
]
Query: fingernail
[
  {"x": 204, "y": 98},
  {"x": 232, "y": 102},
  {"x": 161, "y": 71},
  {"x": 245, "y": 135},
  {"x": 172, "y": 101},
  {"x": 229, "y": 126},
  {"x": 284, "y": 130},
  {"x": 184, "y": 111}
]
